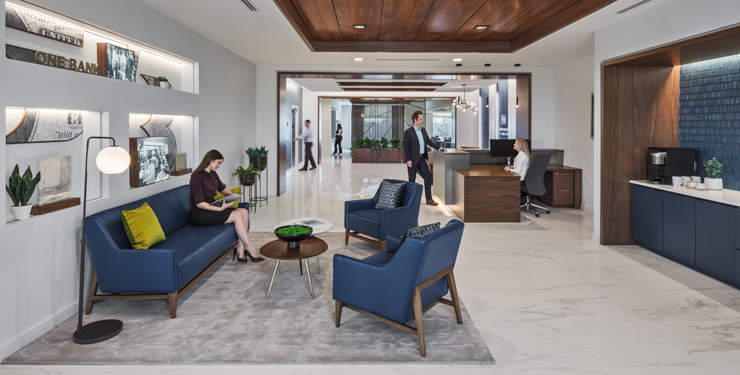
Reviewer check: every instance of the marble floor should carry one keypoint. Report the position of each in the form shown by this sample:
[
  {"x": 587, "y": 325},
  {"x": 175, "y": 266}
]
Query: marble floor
[{"x": 546, "y": 298}]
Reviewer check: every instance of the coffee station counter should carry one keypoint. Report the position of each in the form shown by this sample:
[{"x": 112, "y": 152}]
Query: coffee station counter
[
  {"x": 724, "y": 196},
  {"x": 699, "y": 229}
]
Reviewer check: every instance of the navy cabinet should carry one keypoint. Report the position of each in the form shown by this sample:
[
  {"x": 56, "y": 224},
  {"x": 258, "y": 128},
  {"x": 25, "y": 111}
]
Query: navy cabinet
[
  {"x": 715, "y": 239},
  {"x": 647, "y": 227},
  {"x": 679, "y": 227}
]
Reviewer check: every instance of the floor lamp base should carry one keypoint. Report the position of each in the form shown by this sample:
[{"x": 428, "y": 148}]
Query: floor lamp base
[{"x": 98, "y": 331}]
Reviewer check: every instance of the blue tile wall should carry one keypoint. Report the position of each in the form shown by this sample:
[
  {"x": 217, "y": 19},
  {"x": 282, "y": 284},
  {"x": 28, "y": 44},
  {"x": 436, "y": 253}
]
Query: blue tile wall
[{"x": 709, "y": 114}]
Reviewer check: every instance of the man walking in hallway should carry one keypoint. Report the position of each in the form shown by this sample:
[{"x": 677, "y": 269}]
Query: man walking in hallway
[
  {"x": 415, "y": 142},
  {"x": 307, "y": 137}
]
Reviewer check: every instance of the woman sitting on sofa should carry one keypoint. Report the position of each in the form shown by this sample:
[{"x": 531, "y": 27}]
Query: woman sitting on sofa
[{"x": 204, "y": 184}]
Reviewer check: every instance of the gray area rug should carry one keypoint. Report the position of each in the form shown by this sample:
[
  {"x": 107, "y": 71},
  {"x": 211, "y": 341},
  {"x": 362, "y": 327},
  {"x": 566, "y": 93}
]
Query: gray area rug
[{"x": 225, "y": 318}]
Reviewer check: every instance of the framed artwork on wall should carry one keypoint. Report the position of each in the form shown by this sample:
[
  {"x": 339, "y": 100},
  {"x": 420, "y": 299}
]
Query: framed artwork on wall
[
  {"x": 46, "y": 125},
  {"x": 56, "y": 175},
  {"x": 116, "y": 62},
  {"x": 150, "y": 80},
  {"x": 149, "y": 163}
]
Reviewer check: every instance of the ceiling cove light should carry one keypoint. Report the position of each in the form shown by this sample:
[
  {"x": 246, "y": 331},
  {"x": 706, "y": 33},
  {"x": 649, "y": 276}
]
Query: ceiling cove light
[
  {"x": 359, "y": 26},
  {"x": 358, "y": 58},
  {"x": 481, "y": 27},
  {"x": 457, "y": 59}
]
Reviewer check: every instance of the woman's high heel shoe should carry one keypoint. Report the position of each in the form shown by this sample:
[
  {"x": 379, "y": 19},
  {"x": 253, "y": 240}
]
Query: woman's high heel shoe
[
  {"x": 253, "y": 259},
  {"x": 236, "y": 256}
]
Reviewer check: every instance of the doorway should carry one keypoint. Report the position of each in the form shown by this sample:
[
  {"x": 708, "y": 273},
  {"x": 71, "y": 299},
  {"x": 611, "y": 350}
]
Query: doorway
[{"x": 296, "y": 148}]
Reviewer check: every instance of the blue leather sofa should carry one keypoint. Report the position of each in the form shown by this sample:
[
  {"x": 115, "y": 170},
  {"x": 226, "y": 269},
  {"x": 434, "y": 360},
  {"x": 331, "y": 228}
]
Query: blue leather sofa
[
  {"x": 399, "y": 285},
  {"x": 362, "y": 220},
  {"x": 167, "y": 269}
]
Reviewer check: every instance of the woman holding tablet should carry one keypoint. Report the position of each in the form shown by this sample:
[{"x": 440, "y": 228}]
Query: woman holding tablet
[{"x": 204, "y": 185}]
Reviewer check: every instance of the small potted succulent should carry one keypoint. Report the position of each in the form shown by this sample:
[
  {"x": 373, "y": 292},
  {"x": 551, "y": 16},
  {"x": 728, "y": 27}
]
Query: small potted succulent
[
  {"x": 20, "y": 189},
  {"x": 258, "y": 157},
  {"x": 161, "y": 79},
  {"x": 247, "y": 177},
  {"x": 714, "y": 170}
]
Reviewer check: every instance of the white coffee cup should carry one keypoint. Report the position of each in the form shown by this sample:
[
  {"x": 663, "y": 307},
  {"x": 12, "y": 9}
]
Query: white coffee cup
[
  {"x": 696, "y": 178},
  {"x": 692, "y": 184},
  {"x": 685, "y": 180},
  {"x": 701, "y": 186},
  {"x": 676, "y": 181}
]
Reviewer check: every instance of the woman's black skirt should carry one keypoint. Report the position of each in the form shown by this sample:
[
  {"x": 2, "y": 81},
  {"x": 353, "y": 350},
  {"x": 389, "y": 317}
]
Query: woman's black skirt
[{"x": 200, "y": 217}]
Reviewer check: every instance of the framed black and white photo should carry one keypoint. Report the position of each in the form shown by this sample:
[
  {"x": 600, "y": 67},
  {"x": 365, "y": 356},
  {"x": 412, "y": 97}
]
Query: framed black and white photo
[
  {"x": 149, "y": 162},
  {"x": 36, "y": 23},
  {"x": 120, "y": 63}
]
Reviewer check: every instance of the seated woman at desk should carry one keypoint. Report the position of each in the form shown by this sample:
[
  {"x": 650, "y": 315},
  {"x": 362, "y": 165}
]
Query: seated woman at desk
[{"x": 521, "y": 161}]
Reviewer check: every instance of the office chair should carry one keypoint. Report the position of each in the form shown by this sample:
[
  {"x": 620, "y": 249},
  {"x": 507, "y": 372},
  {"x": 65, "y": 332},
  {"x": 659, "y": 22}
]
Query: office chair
[{"x": 534, "y": 183}]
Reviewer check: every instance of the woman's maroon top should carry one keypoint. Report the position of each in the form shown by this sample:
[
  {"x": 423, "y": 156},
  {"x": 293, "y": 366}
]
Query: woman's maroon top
[{"x": 204, "y": 186}]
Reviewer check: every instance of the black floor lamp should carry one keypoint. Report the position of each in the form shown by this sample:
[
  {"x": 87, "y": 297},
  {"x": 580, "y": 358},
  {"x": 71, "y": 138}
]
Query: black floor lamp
[{"x": 110, "y": 160}]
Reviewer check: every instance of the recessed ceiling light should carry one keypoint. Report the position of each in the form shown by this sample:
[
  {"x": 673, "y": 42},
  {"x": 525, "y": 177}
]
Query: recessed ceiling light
[
  {"x": 358, "y": 58},
  {"x": 457, "y": 59},
  {"x": 481, "y": 27},
  {"x": 359, "y": 26}
]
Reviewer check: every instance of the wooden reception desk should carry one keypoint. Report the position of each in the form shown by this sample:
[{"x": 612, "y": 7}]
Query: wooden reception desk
[{"x": 485, "y": 194}]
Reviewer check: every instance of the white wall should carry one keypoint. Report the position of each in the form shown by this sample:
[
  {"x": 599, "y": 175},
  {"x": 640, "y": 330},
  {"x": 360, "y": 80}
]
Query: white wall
[
  {"x": 326, "y": 134},
  {"x": 267, "y": 105},
  {"x": 39, "y": 257},
  {"x": 574, "y": 83},
  {"x": 468, "y": 124},
  {"x": 661, "y": 24}
]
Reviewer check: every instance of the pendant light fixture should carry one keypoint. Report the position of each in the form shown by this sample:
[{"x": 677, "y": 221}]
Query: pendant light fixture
[{"x": 464, "y": 103}]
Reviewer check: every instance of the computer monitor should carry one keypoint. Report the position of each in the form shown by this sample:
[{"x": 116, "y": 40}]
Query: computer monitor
[{"x": 504, "y": 147}]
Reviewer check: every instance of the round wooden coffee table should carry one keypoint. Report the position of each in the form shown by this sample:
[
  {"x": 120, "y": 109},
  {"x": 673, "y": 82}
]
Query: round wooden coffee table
[{"x": 278, "y": 249}]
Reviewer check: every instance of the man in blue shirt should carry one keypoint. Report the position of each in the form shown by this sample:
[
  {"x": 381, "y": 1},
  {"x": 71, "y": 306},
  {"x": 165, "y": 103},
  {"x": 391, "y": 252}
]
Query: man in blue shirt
[{"x": 415, "y": 142}]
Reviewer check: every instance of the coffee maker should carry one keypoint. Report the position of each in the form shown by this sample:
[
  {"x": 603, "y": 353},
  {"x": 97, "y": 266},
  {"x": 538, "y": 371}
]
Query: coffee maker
[{"x": 666, "y": 162}]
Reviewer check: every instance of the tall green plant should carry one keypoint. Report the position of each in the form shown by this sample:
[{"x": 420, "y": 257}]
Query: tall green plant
[
  {"x": 20, "y": 188},
  {"x": 257, "y": 152},
  {"x": 713, "y": 168}
]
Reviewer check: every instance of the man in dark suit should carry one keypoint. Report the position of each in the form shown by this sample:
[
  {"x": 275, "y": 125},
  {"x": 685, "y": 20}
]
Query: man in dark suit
[{"x": 415, "y": 142}]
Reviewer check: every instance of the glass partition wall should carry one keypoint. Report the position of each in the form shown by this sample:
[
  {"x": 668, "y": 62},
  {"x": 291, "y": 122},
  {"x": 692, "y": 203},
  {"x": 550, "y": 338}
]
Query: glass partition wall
[{"x": 378, "y": 118}]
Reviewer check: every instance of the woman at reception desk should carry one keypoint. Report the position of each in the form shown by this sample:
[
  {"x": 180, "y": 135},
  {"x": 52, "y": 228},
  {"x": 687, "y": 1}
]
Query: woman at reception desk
[{"x": 475, "y": 186}]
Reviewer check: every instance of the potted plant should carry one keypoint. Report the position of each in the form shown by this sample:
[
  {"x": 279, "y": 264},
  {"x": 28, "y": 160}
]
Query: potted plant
[
  {"x": 363, "y": 150},
  {"x": 391, "y": 151},
  {"x": 258, "y": 157},
  {"x": 247, "y": 177},
  {"x": 714, "y": 170},
  {"x": 20, "y": 189}
]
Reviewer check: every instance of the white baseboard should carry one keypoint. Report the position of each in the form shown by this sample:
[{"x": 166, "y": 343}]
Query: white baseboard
[
  {"x": 13, "y": 345},
  {"x": 588, "y": 208},
  {"x": 596, "y": 238}
]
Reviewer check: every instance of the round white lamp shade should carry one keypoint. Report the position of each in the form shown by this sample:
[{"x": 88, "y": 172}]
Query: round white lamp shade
[{"x": 113, "y": 160}]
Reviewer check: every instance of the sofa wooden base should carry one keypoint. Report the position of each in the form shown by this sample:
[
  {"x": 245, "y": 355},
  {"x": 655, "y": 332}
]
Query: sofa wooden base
[
  {"x": 348, "y": 234},
  {"x": 418, "y": 312},
  {"x": 170, "y": 297}
]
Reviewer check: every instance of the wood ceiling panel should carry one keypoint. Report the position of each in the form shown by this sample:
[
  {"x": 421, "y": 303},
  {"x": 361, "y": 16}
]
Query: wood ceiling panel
[
  {"x": 401, "y": 19},
  {"x": 533, "y": 16},
  {"x": 430, "y": 25},
  {"x": 359, "y": 12},
  {"x": 445, "y": 18},
  {"x": 320, "y": 17}
]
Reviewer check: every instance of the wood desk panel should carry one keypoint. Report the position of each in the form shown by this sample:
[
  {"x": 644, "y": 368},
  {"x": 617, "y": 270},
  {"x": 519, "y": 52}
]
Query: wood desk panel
[{"x": 486, "y": 194}]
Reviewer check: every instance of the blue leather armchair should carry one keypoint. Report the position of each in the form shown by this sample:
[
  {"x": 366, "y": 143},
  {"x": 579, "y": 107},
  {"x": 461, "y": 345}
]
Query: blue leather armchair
[
  {"x": 167, "y": 269},
  {"x": 362, "y": 220},
  {"x": 398, "y": 285}
]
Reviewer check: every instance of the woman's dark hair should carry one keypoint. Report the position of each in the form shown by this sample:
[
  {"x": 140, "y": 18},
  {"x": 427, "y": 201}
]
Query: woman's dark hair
[
  {"x": 415, "y": 115},
  {"x": 339, "y": 126},
  {"x": 210, "y": 156}
]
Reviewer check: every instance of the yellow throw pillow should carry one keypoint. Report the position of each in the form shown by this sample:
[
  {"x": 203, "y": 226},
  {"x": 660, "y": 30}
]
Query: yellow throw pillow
[
  {"x": 236, "y": 190},
  {"x": 142, "y": 227}
]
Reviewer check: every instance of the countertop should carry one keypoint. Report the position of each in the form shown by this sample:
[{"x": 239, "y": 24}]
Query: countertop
[
  {"x": 486, "y": 171},
  {"x": 724, "y": 196}
]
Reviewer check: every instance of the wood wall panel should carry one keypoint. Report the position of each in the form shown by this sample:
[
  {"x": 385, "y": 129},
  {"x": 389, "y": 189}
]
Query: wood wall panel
[{"x": 639, "y": 110}]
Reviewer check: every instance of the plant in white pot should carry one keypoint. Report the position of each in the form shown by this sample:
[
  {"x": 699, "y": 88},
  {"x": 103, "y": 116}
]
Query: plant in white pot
[
  {"x": 20, "y": 189},
  {"x": 714, "y": 170}
]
